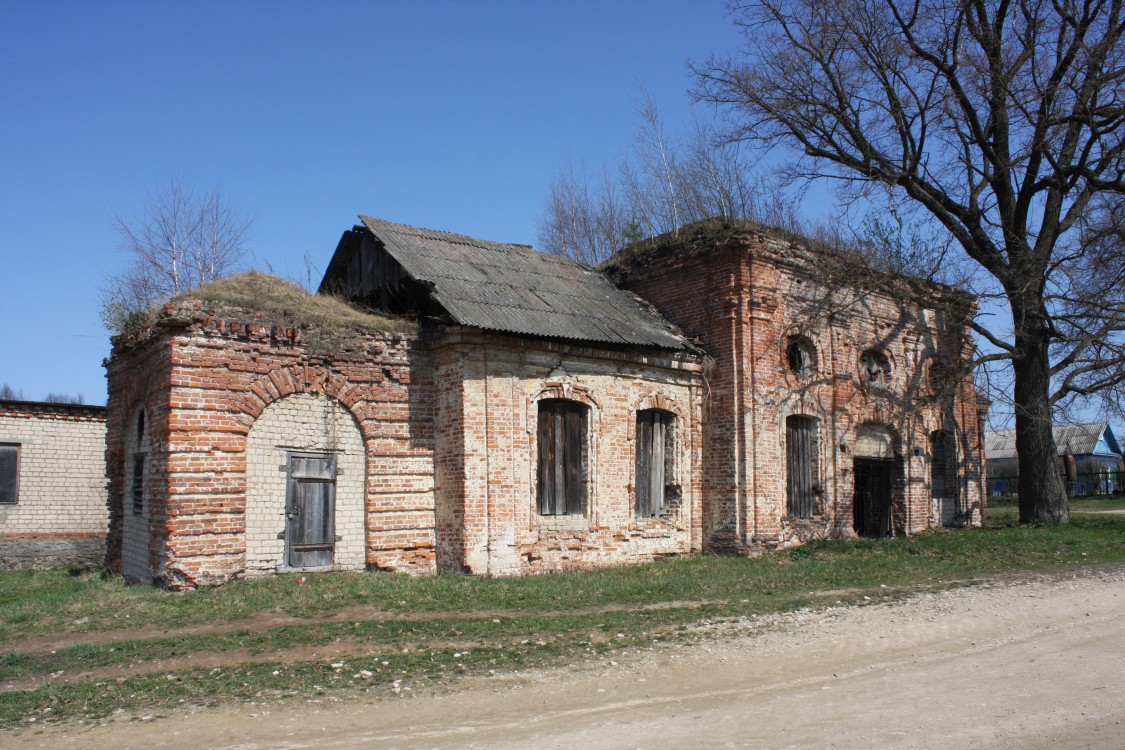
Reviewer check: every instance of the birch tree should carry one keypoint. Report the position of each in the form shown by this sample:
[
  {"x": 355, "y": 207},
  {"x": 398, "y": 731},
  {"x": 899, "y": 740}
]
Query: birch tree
[{"x": 182, "y": 240}]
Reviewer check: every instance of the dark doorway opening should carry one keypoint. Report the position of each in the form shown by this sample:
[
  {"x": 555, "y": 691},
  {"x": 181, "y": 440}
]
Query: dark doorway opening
[{"x": 872, "y": 506}]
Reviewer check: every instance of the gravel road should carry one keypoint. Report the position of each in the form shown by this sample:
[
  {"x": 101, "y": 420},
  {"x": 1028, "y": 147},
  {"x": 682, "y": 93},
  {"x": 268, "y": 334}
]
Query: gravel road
[{"x": 1028, "y": 663}]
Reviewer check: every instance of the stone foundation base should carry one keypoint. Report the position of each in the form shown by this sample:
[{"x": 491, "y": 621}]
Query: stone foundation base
[{"x": 30, "y": 552}]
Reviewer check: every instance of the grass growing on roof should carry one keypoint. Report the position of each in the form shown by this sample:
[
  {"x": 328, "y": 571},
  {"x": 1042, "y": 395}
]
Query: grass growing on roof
[{"x": 280, "y": 301}]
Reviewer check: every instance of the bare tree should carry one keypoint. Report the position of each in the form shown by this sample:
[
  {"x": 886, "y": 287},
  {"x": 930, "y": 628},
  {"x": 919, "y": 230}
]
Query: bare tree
[
  {"x": 584, "y": 220},
  {"x": 63, "y": 398},
  {"x": 1001, "y": 120},
  {"x": 665, "y": 182},
  {"x": 183, "y": 240},
  {"x": 1087, "y": 298}
]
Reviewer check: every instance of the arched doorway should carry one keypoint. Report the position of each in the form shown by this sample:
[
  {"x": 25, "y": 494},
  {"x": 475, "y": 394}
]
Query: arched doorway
[
  {"x": 874, "y": 481},
  {"x": 305, "y": 487}
]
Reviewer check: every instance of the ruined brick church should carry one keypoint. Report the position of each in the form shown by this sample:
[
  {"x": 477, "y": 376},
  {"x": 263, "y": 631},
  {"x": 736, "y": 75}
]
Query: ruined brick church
[{"x": 488, "y": 409}]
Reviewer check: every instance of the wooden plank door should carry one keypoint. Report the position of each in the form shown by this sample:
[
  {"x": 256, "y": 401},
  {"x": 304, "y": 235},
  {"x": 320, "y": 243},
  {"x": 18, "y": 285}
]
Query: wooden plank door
[{"x": 311, "y": 510}]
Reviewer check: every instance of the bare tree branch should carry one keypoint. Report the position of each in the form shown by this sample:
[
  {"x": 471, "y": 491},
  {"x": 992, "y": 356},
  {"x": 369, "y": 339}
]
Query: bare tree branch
[{"x": 182, "y": 241}]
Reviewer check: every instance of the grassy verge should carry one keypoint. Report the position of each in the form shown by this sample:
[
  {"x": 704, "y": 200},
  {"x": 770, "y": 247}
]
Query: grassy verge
[{"x": 397, "y": 633}]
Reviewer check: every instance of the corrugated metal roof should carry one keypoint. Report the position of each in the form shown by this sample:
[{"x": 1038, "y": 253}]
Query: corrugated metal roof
[
  {"x": 515, "y": 289},
  {"x": 1081, "y": 439}
]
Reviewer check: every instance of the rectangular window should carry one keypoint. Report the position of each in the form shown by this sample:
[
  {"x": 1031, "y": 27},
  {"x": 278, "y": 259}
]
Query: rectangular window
[
  {"x": 801, "y": 464},
  {"x": 654, "y": 457},
  {"x": 9, "y": 474},
  {"x": 943, "y": 464},
  {"x": 137, "y": 488},
  {"x": 562, "y": 478}
]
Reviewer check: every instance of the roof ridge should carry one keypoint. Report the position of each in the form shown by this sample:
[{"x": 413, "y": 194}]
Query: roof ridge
[{"x": 440, "y": 234}]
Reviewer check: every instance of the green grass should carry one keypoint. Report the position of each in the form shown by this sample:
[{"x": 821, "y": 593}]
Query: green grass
[{"x": 429, "y": 630}]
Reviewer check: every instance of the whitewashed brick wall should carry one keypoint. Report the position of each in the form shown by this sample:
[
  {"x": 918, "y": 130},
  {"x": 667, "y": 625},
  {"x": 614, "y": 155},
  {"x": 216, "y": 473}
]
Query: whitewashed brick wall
[
  {"x": 61, "y": 515},
  {"x": 302, "y": 422}
]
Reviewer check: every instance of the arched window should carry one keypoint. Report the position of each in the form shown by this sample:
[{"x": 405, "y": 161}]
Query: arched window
[
  {"x": 561, "y": 487},
  {"x": 801, "y": 355},
  {"x": 655, "y": 461},
  {"x": 802, "y": 464}
]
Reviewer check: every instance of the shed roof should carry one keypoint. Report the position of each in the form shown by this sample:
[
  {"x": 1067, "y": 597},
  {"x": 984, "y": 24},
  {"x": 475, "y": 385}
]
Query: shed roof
[
  {"x": 514, "y": 289},
  {"x": 1081, "y": 439}
]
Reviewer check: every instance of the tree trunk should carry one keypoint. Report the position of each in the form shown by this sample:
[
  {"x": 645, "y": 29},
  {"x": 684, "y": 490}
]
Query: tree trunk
[{"x": 1042, "y": 493}]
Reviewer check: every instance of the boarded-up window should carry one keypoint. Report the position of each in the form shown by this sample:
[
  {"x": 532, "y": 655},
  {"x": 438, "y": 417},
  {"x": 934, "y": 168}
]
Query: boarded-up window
[
  {"x": 9, "y": 474},
  {"x": 654, "y": 461},
  {"x": 562, "y": 476},
  {"x": 801, "y": 462},
  {"x": 943, "y": 464},
  {"x": 311, "y": 509}
]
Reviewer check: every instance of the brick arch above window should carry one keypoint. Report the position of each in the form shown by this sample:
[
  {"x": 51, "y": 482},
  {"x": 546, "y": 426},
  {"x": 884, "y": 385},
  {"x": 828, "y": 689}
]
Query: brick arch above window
[
  {"x": 649, "y": 402},
  {"x": 566, "y": 392}
]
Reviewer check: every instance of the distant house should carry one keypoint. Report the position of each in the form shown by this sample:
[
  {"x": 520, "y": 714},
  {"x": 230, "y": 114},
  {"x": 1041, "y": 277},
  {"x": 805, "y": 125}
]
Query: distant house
[
  {"x": 52, "y": 484},
  {"x": 1097, "y": 458}
]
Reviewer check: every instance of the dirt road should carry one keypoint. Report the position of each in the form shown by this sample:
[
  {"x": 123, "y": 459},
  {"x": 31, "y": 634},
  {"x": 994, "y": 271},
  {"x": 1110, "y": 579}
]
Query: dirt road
[{"x": 1029, "y": 664}]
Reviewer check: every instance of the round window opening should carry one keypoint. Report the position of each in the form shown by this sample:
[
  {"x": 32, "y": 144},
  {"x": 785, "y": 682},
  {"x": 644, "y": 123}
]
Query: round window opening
[
  {"x": 874, "y": 367},
  {"x": 801, "y": 356}
]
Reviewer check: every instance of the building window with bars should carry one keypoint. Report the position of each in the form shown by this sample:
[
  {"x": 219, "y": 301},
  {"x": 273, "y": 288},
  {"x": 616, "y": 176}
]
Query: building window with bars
[
  {"x": 802, "y": 464},
  {"x": 655, "y": 461},
  {"x": 561, "y": 487}
]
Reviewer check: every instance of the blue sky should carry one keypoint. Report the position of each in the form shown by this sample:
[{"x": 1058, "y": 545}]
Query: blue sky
[{"x": 450, "y": 115}]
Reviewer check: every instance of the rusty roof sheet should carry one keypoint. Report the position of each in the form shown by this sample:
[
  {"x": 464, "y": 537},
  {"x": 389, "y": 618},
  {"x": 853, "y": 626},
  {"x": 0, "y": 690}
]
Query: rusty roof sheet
[{"x": 515, "y": 289}]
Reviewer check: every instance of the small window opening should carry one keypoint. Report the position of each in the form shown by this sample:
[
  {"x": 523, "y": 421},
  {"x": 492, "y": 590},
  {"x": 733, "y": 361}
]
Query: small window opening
[
  {"x": 875, "y": 368},
  {"x": 655, "y": 457},
  {"x": 9, "y": 474},
  {"x": 801, "y": 355},
  {"x": 561, "y": 488}
]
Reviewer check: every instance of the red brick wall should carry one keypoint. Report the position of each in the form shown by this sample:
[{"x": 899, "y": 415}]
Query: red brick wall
[
  {"x": 448, "y": 425},
  {"x": 204, "y": 384},
  {"x": 488, "y": 391},
  {"x": 743, "y": 298}
]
